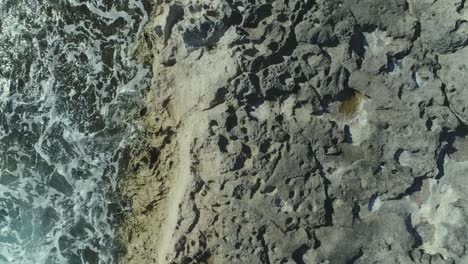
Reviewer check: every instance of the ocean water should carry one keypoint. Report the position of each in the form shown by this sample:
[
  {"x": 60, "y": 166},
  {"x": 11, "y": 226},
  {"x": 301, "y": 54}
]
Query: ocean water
[{"x": 67, "y": 86}]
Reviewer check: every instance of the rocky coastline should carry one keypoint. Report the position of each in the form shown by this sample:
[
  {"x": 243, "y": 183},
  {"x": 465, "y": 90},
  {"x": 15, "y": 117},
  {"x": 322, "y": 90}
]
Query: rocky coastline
[{"x": 301, "y": 131}]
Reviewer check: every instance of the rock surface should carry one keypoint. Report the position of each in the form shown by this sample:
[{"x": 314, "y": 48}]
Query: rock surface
[{"x": 302, "y": 131}]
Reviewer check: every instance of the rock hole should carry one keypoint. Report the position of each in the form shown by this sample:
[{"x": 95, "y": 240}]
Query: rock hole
[
  {"x": 429, "y": 124},
  {"x": 359, "y": 44},
  {"x": 273, "y": 46},
  {"x": 265, "y": 146},
  {"x": 213, "y": 123},
  {"x": 159, "y": 32},
  {"x": 299, "y": 253},
  {"x": 234, "y": 19},
  {"x": 355, "y": 211},
  {"x": 392, "y": 65},
  {"x": 212, "y": 13},
  {"x": 223, "y": 142},
  {"x": 283, "y": 77},
  {"x": 239, "y": 163},
  {"x": 176, "y": 14},
  {"x": 268, "y": 189},
  {"x": 397, "y": 155},
  {"x": 143, "y": 111},
  {"x": 247, "y": 151},
  {"x": 231, "y": 120},
  {"x": 412, "y": 231},
  {"x": 257, "y": 16},
  {"x": 348, "y": 137},
  {"x": 220, "y": 97},
  {"x": 154, "y": 155}
]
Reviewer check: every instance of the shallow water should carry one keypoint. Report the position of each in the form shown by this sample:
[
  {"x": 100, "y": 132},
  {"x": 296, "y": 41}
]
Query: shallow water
[{"x": 67, "y": 85}]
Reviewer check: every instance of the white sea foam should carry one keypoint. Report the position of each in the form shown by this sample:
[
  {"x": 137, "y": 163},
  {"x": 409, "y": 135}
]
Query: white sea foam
[{"x": 66, "y": 81}]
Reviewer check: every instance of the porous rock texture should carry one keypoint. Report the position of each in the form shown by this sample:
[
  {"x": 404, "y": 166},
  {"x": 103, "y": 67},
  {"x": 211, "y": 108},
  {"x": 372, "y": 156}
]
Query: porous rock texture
[{"x": 300, "y": 131}]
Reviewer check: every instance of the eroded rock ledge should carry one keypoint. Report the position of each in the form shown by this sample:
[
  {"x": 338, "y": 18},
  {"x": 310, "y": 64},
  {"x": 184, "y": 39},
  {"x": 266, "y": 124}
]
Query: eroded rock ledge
[{"x": 302, "y": 132}]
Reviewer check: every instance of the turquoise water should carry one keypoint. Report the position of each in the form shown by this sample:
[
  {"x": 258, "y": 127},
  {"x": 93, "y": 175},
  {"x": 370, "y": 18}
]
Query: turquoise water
[{"x": 67, "y": 84}]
